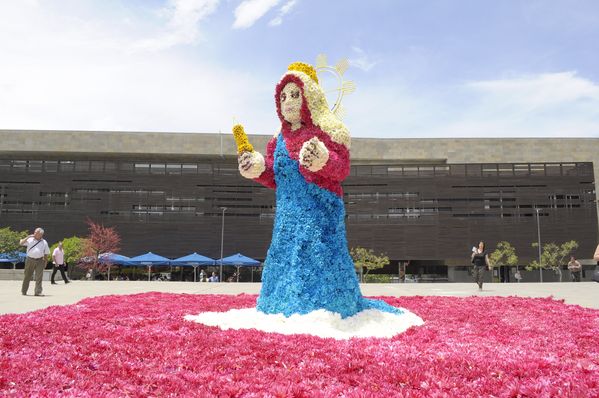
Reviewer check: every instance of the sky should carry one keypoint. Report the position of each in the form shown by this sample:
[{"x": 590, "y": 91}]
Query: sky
[{"x": 433, "y": 68}]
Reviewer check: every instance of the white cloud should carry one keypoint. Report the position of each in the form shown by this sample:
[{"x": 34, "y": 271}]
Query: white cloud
[
  {"x": 546, "y": 105},
  {"x": 183, "y": 18},
  {"x": 284, "y": 10},
  {"x": 550, "y": 104},
  {"x": 75, "y": 69},
  {"x": 534, "y": 92},
  {"x": 361, "y": 60},
  {"x": 67, "y": 72},
  {"x": 250, "y": 11}
]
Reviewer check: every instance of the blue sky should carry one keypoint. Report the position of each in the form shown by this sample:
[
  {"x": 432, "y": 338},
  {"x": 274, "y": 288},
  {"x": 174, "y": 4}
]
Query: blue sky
[{"x": 448, "y": 68}]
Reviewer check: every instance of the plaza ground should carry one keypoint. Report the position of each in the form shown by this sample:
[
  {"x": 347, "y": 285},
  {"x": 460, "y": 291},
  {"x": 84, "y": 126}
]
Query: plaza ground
[{"x": 585, "y": 294}]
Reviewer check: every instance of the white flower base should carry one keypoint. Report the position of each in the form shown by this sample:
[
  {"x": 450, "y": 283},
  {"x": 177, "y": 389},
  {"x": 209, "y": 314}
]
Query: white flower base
[{"x": 321, "y": 323}]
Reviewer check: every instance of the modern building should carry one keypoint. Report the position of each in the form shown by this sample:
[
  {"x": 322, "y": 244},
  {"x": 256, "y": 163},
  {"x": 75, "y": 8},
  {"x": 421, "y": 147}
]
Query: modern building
[{"x": 423, "y": 202}]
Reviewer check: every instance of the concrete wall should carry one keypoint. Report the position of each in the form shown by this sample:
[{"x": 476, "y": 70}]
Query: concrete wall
[
  {"x": 17, "y": 275},
  {"x": 452, "y": 150}
]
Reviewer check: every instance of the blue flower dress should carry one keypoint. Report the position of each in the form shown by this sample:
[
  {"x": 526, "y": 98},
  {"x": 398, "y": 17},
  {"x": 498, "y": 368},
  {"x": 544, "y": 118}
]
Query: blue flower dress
[{"x": 308, "y": 266}]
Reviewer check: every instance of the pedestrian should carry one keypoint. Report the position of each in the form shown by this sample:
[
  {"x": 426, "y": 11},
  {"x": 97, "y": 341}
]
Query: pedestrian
[
  {"x": 575, "y": 269},
  {"x": 37, "y": 258},
  {"x": 58, "y": 264},
  {"x": 202, "y": 276},
  {"x": 518, "y": 275},
  {"x": 480, "y": 261}
]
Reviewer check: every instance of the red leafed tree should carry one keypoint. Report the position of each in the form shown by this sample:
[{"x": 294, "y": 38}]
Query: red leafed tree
[{"x": 100, "y": 240}]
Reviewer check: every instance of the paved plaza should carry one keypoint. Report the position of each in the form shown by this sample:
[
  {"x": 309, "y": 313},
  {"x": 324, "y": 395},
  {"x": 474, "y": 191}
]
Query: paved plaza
[{"x": 585, "y": 294}]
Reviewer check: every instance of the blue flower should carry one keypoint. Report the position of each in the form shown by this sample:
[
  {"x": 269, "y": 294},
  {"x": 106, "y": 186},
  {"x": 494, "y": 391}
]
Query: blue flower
[{"x": 308, "y": 266}]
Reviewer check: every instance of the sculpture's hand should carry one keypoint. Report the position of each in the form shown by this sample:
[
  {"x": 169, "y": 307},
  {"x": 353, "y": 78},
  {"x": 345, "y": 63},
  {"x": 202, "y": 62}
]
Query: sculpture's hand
[
  {"x": 313, "y": 155},
  {"x": 245, "y": 161},
  {"x": 251, "y": 164}
]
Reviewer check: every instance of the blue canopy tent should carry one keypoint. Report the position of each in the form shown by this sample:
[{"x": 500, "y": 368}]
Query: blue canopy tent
[
  {"x": 149, "y": 259},
  {"x": 192, "y": 260},
  {"x": 13, "y": 258},
  {"x": 113, "y": 259},
  {"x": 239, "y": 260}
]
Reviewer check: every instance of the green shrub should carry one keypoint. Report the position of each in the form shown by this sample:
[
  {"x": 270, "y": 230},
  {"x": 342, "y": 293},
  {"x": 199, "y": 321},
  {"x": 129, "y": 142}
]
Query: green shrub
[{"x": 377, "y": 278}]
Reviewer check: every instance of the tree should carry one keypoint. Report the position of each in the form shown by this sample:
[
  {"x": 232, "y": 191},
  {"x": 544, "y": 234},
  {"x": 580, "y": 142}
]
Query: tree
[
  {"x": 100, "y": 240},
  {"x": 9, "y": 240},
  {"x": 504, "y": 254},
  {"x": 554, "y": 256},
  {"x": 365, "y": 258}
]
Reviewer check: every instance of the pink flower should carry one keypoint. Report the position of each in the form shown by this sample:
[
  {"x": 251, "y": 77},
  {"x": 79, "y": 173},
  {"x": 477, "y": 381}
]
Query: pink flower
[{"x": 140, "y": 345}]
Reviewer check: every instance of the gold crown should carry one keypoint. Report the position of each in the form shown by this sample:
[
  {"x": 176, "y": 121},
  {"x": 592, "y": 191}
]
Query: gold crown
[{"x": 305, "y": 68}]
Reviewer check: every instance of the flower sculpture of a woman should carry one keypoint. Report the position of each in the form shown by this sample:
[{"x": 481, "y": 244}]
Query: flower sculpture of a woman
[{"x": 308, "y": 266}]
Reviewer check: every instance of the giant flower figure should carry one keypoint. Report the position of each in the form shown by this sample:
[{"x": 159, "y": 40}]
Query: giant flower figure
[{"x": 308, "y": 266}]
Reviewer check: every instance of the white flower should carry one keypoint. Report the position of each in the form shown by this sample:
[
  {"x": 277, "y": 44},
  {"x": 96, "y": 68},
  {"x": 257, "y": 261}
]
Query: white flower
[
  {"x": 251, "y": 164},
  {"x": 320, "y": 112},
  {"x": 314, "y": 155},
  {"x": 321, "y": 323}
]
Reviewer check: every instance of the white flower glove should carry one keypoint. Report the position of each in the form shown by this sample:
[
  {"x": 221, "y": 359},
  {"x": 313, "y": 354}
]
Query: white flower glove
[
  {"x": 313, "y": 155},
  {"x": 251, "y": 164}
]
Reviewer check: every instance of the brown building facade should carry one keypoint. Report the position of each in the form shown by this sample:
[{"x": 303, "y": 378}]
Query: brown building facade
[{"x": 426, "y": 211}]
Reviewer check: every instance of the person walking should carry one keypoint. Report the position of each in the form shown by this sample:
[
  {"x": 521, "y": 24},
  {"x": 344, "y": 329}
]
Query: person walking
[
  {"x": 518, "y": 275},
  {"x": 58, "y": 264},
  {"x": 480, "y": 261},
  {"x": 37, "y": 258},
  {"x": 575, "y": 269}
]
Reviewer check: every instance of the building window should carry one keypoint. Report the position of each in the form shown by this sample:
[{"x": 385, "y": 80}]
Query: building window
[
  {"x": 441, "y": 170},
  {"x": 521, "y": 169},
  {"x": 97, "y": 166},
  {"x": 537, "y": 169},
  {"x": 157, "y": 168},
  {"x": 489, "y": 170},
  {"x": 66, "y": 165},
  {"x": 142, "y": 168},
  {"x": 473, "y": 170},
  {"x": 126, "y": 166},
  {"x": 51, "y": 166},
  {"x": 189, "y": 168},
  {"x": 82, "y": 166},
  {"x": 553, "y": 169},
  {"x": 173, "y": 168}
]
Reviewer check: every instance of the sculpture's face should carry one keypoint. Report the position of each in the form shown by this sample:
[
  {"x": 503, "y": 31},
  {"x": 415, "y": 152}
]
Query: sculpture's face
[{"x": 291, "y": 103}]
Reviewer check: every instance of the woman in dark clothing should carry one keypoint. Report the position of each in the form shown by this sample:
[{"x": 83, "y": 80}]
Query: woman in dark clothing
[{"x": 480, "y": 261}]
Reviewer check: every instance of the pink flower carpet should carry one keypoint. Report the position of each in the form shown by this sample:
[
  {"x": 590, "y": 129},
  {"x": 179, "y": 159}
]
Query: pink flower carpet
[{"x": 141, "y": 346}]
